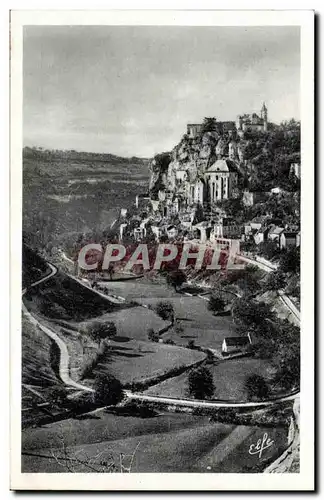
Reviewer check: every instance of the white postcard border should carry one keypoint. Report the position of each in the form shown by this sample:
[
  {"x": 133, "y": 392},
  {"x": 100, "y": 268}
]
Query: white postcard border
[{"x": 150, "y": 481}]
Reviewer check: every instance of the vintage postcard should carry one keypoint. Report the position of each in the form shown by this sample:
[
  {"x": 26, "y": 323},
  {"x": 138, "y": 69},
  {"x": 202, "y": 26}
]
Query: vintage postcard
[{"x": 162, "y": 180}]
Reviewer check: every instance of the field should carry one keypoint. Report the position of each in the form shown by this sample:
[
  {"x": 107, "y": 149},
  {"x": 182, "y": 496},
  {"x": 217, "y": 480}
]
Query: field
[
  {"x": 197, "y": 323},
  {"x": 166, "y": 442},
  {"x": 139, "y": 361},
  {"x": 61, "y": 301},
  {"x": 229, "y": 378}
]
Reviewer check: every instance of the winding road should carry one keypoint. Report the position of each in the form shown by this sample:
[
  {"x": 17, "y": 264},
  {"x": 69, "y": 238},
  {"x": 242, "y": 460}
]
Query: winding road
[
  {"x": 66, "y": 379},
  {"x": 268, "y": 267}
]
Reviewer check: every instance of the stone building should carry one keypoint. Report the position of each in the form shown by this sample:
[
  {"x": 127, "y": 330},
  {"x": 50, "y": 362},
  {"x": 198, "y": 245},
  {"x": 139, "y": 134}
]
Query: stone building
[
  {"x": 193, "y": 129},
  {"x": 221, "y": 178},
  {"x": 253, "y": 121}
]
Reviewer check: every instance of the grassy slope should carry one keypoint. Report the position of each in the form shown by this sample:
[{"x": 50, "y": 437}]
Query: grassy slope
[
  {"x": 137, "y": 361},
  {"x": 62, "y": 297},
  {"x": 167, "y": 443},
  {"x": 229, "y": 377},
  {"x": 36, "y": 356}
]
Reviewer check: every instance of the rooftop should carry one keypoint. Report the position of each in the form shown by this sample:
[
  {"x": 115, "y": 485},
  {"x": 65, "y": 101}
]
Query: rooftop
[{"x": 237, "y": 341}]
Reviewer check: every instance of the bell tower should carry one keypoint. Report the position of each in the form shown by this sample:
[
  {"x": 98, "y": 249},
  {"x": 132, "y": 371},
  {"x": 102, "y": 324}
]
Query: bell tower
[{"x": 264, "y": 116}]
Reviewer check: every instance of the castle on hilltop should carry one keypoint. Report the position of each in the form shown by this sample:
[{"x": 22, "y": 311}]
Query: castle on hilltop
[
  {"x": 253, "y": 121},
  {"x": 205, "y": 167},
  {"x": 242, "y": 124}
]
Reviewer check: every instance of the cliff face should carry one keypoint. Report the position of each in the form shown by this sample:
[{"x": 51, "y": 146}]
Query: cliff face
[
  {"x": 190, "y": 159},
  {"x": 159, "y": 174}
]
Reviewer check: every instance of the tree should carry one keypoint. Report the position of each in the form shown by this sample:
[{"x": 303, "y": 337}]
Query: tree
[
  {"x": 252, "y": 314},
  {"x": 108, "y": 390},
  {"x": 99, "y": 331},
  {"x": 209, "y": 124},
  {"x": 152, "y": 335},
  {"x": 256, "y": 387},
  {"x": 216, "y": 302},
  {"x": 290, "y": 261},
  {"x": 269, "y": 249},
  {"x": 166, "y": 311},
  {"x": 58, "y": 395},
  {"x": 276, "y": 280},
  {"x": 191, "y": 344},
  {"x": 200, "y": 383},
  {"x": 176, "y": 279}
]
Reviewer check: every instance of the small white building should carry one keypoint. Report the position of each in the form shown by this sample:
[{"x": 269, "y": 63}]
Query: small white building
[{"x": 234, "y": 345}]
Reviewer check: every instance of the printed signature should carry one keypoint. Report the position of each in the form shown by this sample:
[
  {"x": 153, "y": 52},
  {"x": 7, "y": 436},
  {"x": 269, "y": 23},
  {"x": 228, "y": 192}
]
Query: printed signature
[{"x": 261, "y": 445}]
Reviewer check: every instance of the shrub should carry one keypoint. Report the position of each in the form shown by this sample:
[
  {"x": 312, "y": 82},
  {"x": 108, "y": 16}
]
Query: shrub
[
  {"x": 169, "y": 341},
  {"x": 290, "y": 261},
  {"x": 139, "y": 408},
  {"x": 98, "y": 330},
  {"x": 166, "y": 311},
  {"x": 216, "y": 303},
  {"x": 256, "y": 387},
  {"x": 200, "y": 383},
  {"x": 108, "y": 390},
  {"x": 152, "y": 335},
  {"x": 275, "y": 281},
  {"x": 176, "y": 279},
  {"x": 191, "y": 344}
]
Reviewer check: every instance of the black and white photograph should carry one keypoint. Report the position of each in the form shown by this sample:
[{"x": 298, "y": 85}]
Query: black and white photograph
[{"x": 160, "y": 309}]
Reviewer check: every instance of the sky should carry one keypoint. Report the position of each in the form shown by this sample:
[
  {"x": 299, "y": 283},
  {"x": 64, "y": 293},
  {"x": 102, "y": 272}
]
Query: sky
[{"x": 131, "y": 90}]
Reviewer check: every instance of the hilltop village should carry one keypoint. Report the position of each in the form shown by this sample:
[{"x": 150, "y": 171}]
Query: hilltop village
[{"x": 224, "y": 179}]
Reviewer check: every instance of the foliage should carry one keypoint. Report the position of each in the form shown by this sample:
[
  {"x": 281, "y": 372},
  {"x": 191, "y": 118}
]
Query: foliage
[
  {"x": 271, "y": 154},
  {"x": 200, "y": 383},
  {"x": 256, "y": 387},
  {"x": 176, "y": 279},
  {"x": 108, "y": 390},
  {"x": 169, "y": 341},
  {"x": 269, "y": 249},
  {"x": 152, "y": 335},
  {"x": 99, "y": 331},
  {"x": 191, "y": 344},
  {"x": 275, "y": 281},
  {"x": 290, "y": 261},
  {"x": 216, "y": 302},
  {"x": 209, "y": 125},
  {"x": 252, "y": 314},
  {"x": 165, "y": 310}
]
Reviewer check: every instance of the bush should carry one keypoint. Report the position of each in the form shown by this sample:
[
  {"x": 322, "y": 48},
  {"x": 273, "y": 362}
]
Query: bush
[
  {"x": 290, "y": 261},
  {"x": 191, "y": 344},
  {"x": 200, "y": 383},
  {"x": 98, "y": 330},
  {"x": 176, "y": 279},
  {"x": 256, "y": 387},
  {"x": 152, "y": 335},
  {"x": 139, "y": 408},
  {"x": 108, "y": 390},
  {"x": 169, "y": 341},
  {"x": 216, "y": 303},
  {"x": 275, "y": 281},
  {"x": 166, "y": 311}
]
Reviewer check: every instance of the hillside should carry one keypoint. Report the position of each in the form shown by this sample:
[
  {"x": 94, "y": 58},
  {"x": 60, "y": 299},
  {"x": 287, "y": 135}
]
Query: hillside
[
  {"x": 262, "y": 159},
  {"x": 66, "y": 193}
]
